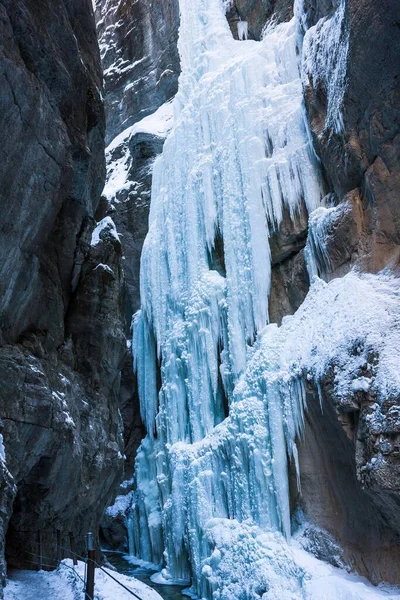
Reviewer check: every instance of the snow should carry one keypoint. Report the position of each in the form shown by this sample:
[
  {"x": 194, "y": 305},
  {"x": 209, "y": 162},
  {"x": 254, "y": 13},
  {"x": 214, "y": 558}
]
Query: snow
[
  {"x": 274, "y": 569},
  {"x": 117, "y": 153},
  {"x": 64, "y": 584},
  {"x": 121, "y": 505},
  {"x": 104, "y": 267},
  {"x": 158, "y": 123},
  {"x": 106, "y": 224},
  {"x": 31, "y": 585},
  {"x": 325, "y": 52}
]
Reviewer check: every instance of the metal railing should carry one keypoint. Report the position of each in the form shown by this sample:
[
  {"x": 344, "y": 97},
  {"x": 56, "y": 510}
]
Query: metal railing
[{"x": 90, "y": 563}]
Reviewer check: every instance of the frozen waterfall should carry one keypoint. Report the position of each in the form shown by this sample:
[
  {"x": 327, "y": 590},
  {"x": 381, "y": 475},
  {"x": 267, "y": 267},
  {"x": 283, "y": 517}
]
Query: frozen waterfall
[{"x": 237, "y": 156}]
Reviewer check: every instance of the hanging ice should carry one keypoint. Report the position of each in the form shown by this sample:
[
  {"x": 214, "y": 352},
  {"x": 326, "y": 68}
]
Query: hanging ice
[
  {"x": 243, "y": 30},
  {"x": 238, "y": 154},
  {"x": 325, "y": 53}
]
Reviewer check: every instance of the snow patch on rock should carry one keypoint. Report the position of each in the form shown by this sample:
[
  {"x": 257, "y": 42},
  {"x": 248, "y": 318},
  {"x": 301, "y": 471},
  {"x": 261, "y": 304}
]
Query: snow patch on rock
[{"x": 106, "y": 224}]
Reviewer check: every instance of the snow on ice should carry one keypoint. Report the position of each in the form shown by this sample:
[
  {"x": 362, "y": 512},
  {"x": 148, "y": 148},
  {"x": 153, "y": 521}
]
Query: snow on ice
[
  {"x": 65, "y": 584},
  {"x": 106, "y": 224},
  {"x": 118, "y": 155}
]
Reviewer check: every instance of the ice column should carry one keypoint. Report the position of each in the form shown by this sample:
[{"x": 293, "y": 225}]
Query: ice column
[
  {"x": 237, "y": 155},
  {"x": 243, "y": 30}
]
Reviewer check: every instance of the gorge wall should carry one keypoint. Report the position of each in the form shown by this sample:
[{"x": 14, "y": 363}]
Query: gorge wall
[
  {"x": 358, "y": 447},
  {"x": 62, "y": 292},
  {"x": 69, "y": 282}
]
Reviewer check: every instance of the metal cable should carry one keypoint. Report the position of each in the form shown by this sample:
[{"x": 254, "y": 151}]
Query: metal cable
[
  {"x": 102, "y": 569},
  {"x": 83, "y": 559},
  {"x": 64, "y": 565},
  {"x": 119, "y": 583},
  {"x": 42, "y": 563}
]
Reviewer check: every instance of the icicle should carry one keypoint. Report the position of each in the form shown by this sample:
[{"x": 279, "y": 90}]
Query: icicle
[
  {"x": 316, "y": 253},
  {"x": 237, "y": 155},
  {"x": 243, "y": 30},
  {"x": 325, "y": 53}
]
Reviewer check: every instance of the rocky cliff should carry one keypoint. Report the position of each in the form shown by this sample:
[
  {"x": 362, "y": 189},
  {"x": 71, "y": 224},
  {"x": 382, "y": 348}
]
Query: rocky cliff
[
  {"x": 354, "y": 444},
  {"x": 138, "y": 44},
  {"x": 61, "y": 288},
  {"x": 69, "y": 283}
]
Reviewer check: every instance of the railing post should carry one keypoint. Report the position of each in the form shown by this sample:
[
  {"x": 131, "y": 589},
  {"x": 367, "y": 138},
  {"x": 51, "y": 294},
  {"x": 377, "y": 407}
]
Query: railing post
[
  {"x": 40, "y": 549},
  {"x": 90, "y": 568},
  {"x": 59, "y": 549},
  {"x": 72, "y": 546}
]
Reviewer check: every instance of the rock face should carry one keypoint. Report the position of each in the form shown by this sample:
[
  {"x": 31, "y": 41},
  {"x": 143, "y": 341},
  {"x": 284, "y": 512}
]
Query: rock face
[
  {"x": 258, "y": 14},
  {"x": 62, "y": 343},
  {"x": 53, "y": 125},
  {"x": 138, "y": 42},
  {"x": 129, "y": 205},
  {"x": 364, "y": 156},
  {"x": 350, "y": 460}
]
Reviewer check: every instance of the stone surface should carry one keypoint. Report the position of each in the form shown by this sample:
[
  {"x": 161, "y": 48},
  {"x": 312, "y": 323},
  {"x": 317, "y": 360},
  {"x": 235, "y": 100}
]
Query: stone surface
[
  {"x": 62, "y": 301},
  {"x": 289, "y": 277},
  {"x": 362, "y": 518},
  {"x": 258, "y": 14},
  {"x": 139, "y": 53},
  {"x": 62, "y": 427},
  {"x": 350, "y": 460},
  {"x": 130, "y": 206},
  {"x": 138, "y": 42},
  {"x": 366, "y": 155},
  {"x": 52, "y": 124}
]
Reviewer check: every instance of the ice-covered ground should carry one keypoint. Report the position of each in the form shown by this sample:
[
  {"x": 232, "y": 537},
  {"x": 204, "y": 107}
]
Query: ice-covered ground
[
  {"x": 249, "y": 563},
  {"x": 64, "y": 584}
]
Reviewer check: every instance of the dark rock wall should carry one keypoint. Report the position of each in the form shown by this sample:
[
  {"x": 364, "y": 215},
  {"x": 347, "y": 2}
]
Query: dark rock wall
[
  {"x": 52, "y": 123},
  {"x": 138, "y": 43},
  {"x": 62, "y": 343},
  {"x": 258, "y": 13},
  {"x": 364, "y": 158},
  {"x": 357, "y": 500}
]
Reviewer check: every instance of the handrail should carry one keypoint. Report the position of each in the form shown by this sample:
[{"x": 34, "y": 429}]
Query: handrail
[{"x": 46, "y": 558}]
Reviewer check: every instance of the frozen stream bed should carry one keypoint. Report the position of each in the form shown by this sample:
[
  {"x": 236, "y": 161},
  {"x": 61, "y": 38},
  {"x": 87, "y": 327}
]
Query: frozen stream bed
[{"x": 167, "y": 592}]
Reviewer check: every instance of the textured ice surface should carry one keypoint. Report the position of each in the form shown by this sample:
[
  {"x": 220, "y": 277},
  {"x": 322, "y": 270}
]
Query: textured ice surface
[
  {"x": 243, "y": 30},
  {"x": 316, "y": 253},
  {"x": 2, "y": 449},
  {"x": 238, "y": 471},
  {"x": 248, "y": 563},
  {"x": 324, "y": 65},
  {"x": 237, "y": 153},
  {"x": 221, "y": 392}
]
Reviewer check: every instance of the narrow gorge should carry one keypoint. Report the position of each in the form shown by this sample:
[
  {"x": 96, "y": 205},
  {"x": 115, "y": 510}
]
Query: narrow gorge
[{"x": 200, "y": 299}]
